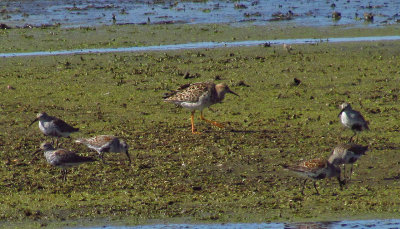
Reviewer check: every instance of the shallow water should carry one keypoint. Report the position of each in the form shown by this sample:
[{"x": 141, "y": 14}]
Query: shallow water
[
  {"x": 383, "y": 224},
  {"x": 100, "y": 12},
  {"x": 201, "y": 45}
]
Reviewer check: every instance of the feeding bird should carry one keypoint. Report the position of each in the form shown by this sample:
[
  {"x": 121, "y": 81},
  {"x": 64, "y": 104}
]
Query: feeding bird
[
  {"x": 106, "y": 143},
  {"x": 315, "y": 169},
  {"x": 347, "y": 154}
]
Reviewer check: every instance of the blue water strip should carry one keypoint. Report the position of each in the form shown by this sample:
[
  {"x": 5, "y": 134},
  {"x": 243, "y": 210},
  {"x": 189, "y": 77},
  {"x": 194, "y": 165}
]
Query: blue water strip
[{"x": 200, "y": 45}]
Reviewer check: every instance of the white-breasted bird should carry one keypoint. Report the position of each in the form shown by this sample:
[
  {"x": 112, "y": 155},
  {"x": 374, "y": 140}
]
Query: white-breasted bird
[
  {"x": 352, "y": 119},
  {"x": 53, "y": 126}
]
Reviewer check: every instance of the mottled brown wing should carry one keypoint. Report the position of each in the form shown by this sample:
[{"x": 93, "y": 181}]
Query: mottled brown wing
[
  {"x": 64, "y": 127},
  {"x": 182, "y": 87},
  {"x": 315, "y": 163},
  {"x": 104, "y": 138},
  {"x": 171, "y": 93},
  {"x": 190, "y": 93},
  {"x": 310, "y": 165}
]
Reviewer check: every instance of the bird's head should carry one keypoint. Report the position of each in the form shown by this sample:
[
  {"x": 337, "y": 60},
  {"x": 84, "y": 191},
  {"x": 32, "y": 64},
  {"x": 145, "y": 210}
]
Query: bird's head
[
  {"x": 39, "y": 116},
  {"x": 222, "y": 89}
]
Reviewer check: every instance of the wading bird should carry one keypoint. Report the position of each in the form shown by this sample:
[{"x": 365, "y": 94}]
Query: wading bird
[{"x": 197, "y": 96}]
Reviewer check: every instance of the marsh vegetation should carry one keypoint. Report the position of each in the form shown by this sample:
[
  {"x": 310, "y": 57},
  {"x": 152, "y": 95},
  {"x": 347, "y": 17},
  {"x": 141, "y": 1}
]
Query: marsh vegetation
[{"x": 233, "y": 174}]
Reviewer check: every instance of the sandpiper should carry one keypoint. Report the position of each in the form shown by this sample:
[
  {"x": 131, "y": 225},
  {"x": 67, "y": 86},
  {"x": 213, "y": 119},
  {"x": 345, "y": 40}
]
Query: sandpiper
[
  {"x": 316, "y": 169},
  {"x": 106, "y": 143},
  {"x": 197, "y": 96},
  {"x": 62, "y": 158},
  {"x": 352, "y": 119},
  {"x": 347, "y": 154},
  {"x": 52, "y": 126}
]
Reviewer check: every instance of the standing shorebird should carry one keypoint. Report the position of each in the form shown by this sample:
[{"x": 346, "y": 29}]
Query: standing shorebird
[
  {"x": 106, "y": 143},
  {"x": 62, "y": 158},
  {"x": 352, "y": 119},
  {"x": 347, "y": 154},
  {"x": 52, "y": 126},
  {"x": 316, "y": 169},
  {"x": 197, "y": 96}
]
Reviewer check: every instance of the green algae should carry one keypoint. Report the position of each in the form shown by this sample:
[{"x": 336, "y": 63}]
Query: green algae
[{"x": 225, "y": 175}]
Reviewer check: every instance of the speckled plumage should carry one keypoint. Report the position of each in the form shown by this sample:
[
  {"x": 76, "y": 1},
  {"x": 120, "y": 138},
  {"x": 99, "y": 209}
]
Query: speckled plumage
[
  {"x": 352, "y": 119},
  {"x": 315, "y": 169},
  {"x": 62, "y": 158},
  {"x": 197, "y": 96},
  {"x": 106, "y": 143},
  {"x": 347, "y": 154}
]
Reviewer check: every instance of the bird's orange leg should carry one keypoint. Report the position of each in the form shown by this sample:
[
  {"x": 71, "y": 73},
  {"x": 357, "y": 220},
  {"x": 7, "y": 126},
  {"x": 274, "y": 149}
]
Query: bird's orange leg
[
  {"x": 192, "y": 120},
  {"x": 209, "y": 121}
]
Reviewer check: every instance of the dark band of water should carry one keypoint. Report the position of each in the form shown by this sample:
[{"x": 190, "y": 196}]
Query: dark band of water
[{"x": 200, "y": 45}]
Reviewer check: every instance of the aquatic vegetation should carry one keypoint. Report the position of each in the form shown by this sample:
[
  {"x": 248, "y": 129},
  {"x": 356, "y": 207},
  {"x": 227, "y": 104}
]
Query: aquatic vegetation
[{"x": 231, "y": 174}]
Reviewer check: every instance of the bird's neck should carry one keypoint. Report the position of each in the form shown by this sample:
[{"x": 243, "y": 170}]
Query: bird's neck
[{"x": 220, "y": 96}]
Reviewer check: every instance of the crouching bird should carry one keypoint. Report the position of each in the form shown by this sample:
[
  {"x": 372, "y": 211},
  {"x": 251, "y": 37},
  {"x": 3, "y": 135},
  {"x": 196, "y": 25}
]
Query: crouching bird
[
  {"x": 106, "y": 144},
  {"x": 315, "y": 169}
]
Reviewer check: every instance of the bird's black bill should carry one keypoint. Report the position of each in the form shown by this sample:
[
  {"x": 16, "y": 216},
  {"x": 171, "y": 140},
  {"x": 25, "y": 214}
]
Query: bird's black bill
[
  {"x": 37, "y": 151},
  {"x": 33, "y": 121},
  {"x": 232, "y": 92}
]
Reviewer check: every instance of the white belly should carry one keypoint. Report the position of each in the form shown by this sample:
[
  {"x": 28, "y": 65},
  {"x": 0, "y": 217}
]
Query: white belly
[
  {"x": 348, "y": 121},
  {"x": 49, "y": 129},
  {"x": 195, "y": 106}
]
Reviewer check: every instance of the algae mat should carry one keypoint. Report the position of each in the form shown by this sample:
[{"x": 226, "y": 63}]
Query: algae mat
[{"x": 227, "y": 175}]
